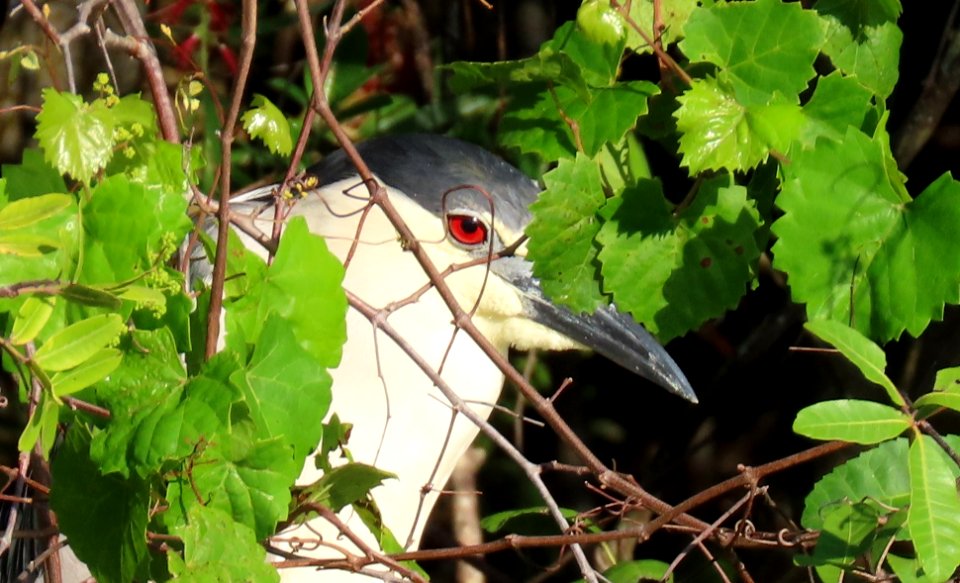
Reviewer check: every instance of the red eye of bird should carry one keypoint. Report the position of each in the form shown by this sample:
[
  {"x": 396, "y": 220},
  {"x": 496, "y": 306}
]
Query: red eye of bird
[{"x": 467, "y": 229}]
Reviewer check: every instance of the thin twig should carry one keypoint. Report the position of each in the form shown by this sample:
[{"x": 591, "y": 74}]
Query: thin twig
[{"x": 248, "y": 39}]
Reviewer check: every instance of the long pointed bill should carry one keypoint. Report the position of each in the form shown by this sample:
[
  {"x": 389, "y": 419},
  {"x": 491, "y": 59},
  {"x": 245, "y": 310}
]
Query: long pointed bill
[{"x": 608, "y": 331}]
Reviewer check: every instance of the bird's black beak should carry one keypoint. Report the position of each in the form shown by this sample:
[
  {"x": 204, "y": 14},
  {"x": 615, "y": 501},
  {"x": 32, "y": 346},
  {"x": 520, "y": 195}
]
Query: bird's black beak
[{"x": 608, "y": 331}]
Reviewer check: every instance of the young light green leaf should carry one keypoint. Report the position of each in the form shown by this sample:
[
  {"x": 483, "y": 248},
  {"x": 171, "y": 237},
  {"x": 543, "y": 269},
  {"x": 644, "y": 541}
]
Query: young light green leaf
[
  {"x": 73, "y": 136},
  {"x": 30, "y": 61},
  {"x": 948, "y": 400},
  {"x": 78, "y": 342},
  {"x": 672, "y": 272},
  {"x": 27, "y": 211},
  {"x": 27, "y": 244},
  {"x": 946, "y": 391},
  {"x": 948, "y": 380},
  {"x": 934, "y": 516},
  {"x": 561, "y": 234},
  {"x": 42, "y": 427},
  {"x": 31, "y": 318},
  {"x": 717, "y": 131},
  {"x": 858, "y": 349},
  {"x": 94, "y": 369},
  {"x": 851, "y": 420},
  {"x": 143, "y": 296},
  {"x": 762, "y": 48},
  {"x": 266, "y": 122}
]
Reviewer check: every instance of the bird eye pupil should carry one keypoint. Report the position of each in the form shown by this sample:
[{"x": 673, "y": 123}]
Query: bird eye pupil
[{"x": 466, "y": 229}]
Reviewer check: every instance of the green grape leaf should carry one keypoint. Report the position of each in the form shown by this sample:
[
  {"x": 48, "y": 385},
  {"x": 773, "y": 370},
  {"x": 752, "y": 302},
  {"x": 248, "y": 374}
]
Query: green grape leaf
[
  {"x": 851, "y": 420},
  {"x": 871, "y": 56},
  {"x": 545, "y": 66},
  {"x": 246, "y": 477},
  {"x": 75, "y": 137},
  {"x": 599, "y": 63},
  {"x": 344, "y": 485},
  {"x": 934, "y": 508},
  {"x": 762, "y": 48},
  {"x": 856, "y": 14},
  {"x": 104, "y": 516},
  {"x": 894, "y": 262},
  {"x": 217, "y": 549},
  {"x": 880, "y": 474},
  {"x": 168, "y": 419},
  {"x": 150, "y": 370},
  {"x": 287, "y": 390},
  {"x": 673, "y": 13},
  {"x": 31, "y": 177},
  {"x": 847, "y": 531},
  {"x": 78, "y": 342},
  {"x": 561, "y": 234},
  {"x": 717, "y": 131},
  {"x": 609, "y": 112},
  {"x": 28, "y": 211},
  {"x": 639, "y": 570},
  {"x": 499, "y": 521},
  {"x": 674, "y": 272},
  {"x": 127, "y": 227},
  {"x": 837, "y": 103},
  {"x": 858, "y": 349},
  {"x": 266, "y": 122},
  {"x": 303, "y": 286},
  {"x": 532, "y": 124}
]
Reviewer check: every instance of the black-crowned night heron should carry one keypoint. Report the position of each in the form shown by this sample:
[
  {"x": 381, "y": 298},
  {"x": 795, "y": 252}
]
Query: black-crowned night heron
[{"x": 402, "y": 423}]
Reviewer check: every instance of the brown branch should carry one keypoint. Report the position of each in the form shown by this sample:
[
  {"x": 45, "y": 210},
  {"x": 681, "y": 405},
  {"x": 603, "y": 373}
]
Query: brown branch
[
  {"x": 248, "y": 38},
  {"x": 664, "y": 58},
  {"x": 37, "y": 15},
  {"x": 371, "y": 555},
  {"x": 137, "y": 43},
  {"x": 939, "y": 89},
  {"x": 78, "y": 405}
]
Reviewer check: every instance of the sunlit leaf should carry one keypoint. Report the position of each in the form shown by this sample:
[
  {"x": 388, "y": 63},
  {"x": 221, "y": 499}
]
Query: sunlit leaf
[
  {"x": 851, "y": 420},
  {"x": 78, "y": 342},
  {"x": 934, "y": 508}
]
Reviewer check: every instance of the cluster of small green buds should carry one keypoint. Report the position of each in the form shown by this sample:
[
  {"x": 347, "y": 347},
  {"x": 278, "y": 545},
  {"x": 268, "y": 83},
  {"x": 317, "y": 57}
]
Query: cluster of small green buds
[{"x": 104, "y": 87}]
